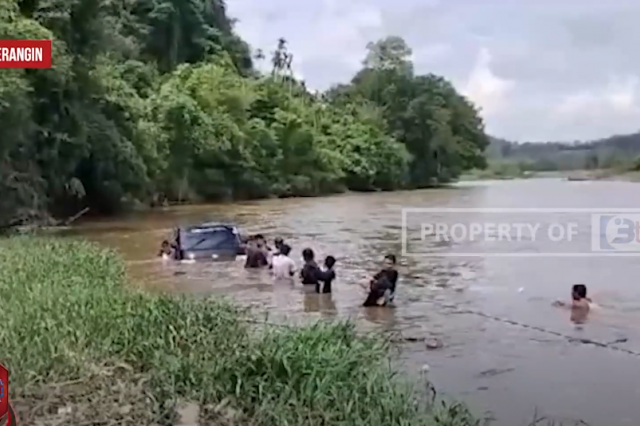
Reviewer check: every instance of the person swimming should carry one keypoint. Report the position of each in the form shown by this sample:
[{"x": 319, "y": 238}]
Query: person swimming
[
  {"x": 256, "y": 253},
  {"x": 282, "y": 266},
  {"x": 382, "y": 287},
  {"x": 328, "y": 275}
]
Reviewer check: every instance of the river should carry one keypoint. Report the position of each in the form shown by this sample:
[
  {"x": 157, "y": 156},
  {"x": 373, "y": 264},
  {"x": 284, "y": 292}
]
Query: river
[{"x": 507, "y": 368}]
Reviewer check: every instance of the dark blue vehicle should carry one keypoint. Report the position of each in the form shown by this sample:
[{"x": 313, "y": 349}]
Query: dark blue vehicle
[{"x": 212, "y": 240}]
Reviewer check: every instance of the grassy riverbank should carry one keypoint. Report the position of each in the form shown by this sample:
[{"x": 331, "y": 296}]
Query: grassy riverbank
[
  {"x": 509, "y": 173},
  {"x": 82, "y": 346},
  {"x": 616, "y": 175},
  {"x": 497, "y": 171}
]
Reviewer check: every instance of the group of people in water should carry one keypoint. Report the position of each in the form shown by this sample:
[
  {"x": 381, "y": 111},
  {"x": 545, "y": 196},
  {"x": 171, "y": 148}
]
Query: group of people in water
[{"x": 381, "y": 287}]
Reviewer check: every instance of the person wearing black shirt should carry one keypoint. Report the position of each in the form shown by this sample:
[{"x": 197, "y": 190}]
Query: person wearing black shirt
[
  {"x": 311, "y": 274},
  {"x": 328, "y": 275},
  {"x": 382, "y": 287}
]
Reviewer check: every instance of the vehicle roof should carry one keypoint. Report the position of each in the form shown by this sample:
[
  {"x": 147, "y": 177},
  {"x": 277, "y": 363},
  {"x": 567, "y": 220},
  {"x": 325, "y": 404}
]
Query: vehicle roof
[{"x": 203, "y": 227}]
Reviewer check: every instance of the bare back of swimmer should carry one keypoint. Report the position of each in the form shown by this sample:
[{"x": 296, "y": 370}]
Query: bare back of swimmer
[{"x": 256, "y": 254}]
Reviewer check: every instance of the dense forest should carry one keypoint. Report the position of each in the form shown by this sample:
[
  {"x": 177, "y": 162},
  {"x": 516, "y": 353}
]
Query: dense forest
[
  {"x": 154, "y": 101},
  {"x": 616, "y": 152}
]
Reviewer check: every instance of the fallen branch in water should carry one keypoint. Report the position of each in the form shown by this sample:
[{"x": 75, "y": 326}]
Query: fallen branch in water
[
  {"x": 25, "y": 225},
  {"x": 75, "y": 217}
]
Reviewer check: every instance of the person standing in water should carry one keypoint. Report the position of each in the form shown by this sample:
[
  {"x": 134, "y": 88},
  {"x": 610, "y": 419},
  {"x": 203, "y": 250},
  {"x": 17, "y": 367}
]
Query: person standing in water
[
  {"x": 278, "y": 243},
  {"x": 310, "y": 271},
  {"x": 311, "y": 274},
  {"x": 580, "y": 304},
  {"x": 282, "y": 266},
  {"x": 382, "y": 287},
  {"x": 264, "y": 247},
  {"x": 328, "y": 275},
  {"x": 579, "y": 299},
  {"x": 261, "y": 243},
  {"x": 256, "y": 254}
]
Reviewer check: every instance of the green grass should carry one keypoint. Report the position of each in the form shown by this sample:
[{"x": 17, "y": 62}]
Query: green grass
[
  {"x": 497, "y": 171},
  {"x": 617, "y": 174},
  {"x": 84, "y": 347}
]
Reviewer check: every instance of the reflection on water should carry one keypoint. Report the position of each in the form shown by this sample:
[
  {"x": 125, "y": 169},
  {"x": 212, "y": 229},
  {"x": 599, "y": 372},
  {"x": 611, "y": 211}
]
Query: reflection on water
[{"x": 538, "y": 370}]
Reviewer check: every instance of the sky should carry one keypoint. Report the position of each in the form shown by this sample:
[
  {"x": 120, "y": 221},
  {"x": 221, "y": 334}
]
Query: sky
[{"x": 541, "y": 70}]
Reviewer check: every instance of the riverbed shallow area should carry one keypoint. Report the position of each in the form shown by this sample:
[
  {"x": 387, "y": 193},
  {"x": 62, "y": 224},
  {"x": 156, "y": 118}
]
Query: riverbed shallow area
[{"x": 506, "y": 349}]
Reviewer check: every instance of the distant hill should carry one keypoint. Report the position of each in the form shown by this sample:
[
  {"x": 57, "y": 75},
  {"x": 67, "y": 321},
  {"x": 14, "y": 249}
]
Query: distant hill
[{"x": 610, "y": 152}]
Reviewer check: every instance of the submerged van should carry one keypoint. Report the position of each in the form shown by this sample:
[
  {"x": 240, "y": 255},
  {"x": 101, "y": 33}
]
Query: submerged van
[{"x": 210, "y": 240}]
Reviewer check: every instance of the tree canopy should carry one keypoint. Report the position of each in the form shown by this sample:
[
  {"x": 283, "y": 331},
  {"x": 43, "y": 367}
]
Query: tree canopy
[{"x": 159, "y": 100}]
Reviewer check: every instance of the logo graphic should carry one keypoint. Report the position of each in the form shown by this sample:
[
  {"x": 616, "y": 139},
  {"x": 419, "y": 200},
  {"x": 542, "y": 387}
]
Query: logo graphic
[
  {"x": 5, "y": 408},
  {"x": 520, "y": 232},
  {"x": 615, "y": 232},
  {"x": 25, "y": 54},
  {"x": 4, "y": 391},
  {"x": 11, "y": 418}
]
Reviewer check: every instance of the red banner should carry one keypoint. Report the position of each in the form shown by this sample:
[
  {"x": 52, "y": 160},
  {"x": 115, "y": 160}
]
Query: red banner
[
  {"x": 5, "y": 407},
  {"x": 4, "y": 391},
  {"x": 25, "y": 54},
  {"x": 11, "y": 420}
]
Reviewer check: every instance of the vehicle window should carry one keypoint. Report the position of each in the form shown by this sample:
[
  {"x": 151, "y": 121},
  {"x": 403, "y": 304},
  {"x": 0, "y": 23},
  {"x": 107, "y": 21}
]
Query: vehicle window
[{"x": 209, "y": 240}]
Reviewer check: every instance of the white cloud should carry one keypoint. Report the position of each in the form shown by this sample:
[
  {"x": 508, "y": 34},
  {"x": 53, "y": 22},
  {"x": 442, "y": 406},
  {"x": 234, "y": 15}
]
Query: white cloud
[
  {"x": 551, "y": 71},
  {"x": 484, "y": 87},
  {"x": 623, "y": 96},
  {"x": 619, "y": 96}
]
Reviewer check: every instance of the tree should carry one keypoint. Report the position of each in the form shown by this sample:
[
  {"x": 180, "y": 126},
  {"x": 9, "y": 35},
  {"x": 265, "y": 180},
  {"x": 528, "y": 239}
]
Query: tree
[
  {"x": 592, "y": 161},
  {"x": 281, "y": 59},
  {"x": 388, "y": 53},
  {"x": 442, "y": 130},
  {"x": 158, "y": 100}
]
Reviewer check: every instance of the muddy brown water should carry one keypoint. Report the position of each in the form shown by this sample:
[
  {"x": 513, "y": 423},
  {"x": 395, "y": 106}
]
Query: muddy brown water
[{"x": 509, "y": 369}]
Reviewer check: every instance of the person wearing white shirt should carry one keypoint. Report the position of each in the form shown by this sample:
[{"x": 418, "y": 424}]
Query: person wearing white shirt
[{"x": 282, "y": 266}]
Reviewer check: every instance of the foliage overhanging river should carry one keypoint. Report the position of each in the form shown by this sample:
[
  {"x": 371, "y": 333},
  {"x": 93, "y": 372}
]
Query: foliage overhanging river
[{"x": 508, "y": 369}]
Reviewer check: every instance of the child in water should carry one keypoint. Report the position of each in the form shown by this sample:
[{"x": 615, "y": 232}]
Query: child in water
[
  {"x": 166, "y": 250},
  {"x": 579, "y": 299},
  {"x": 382, "y": 287},
  {"x": 328, "y": 275}
]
